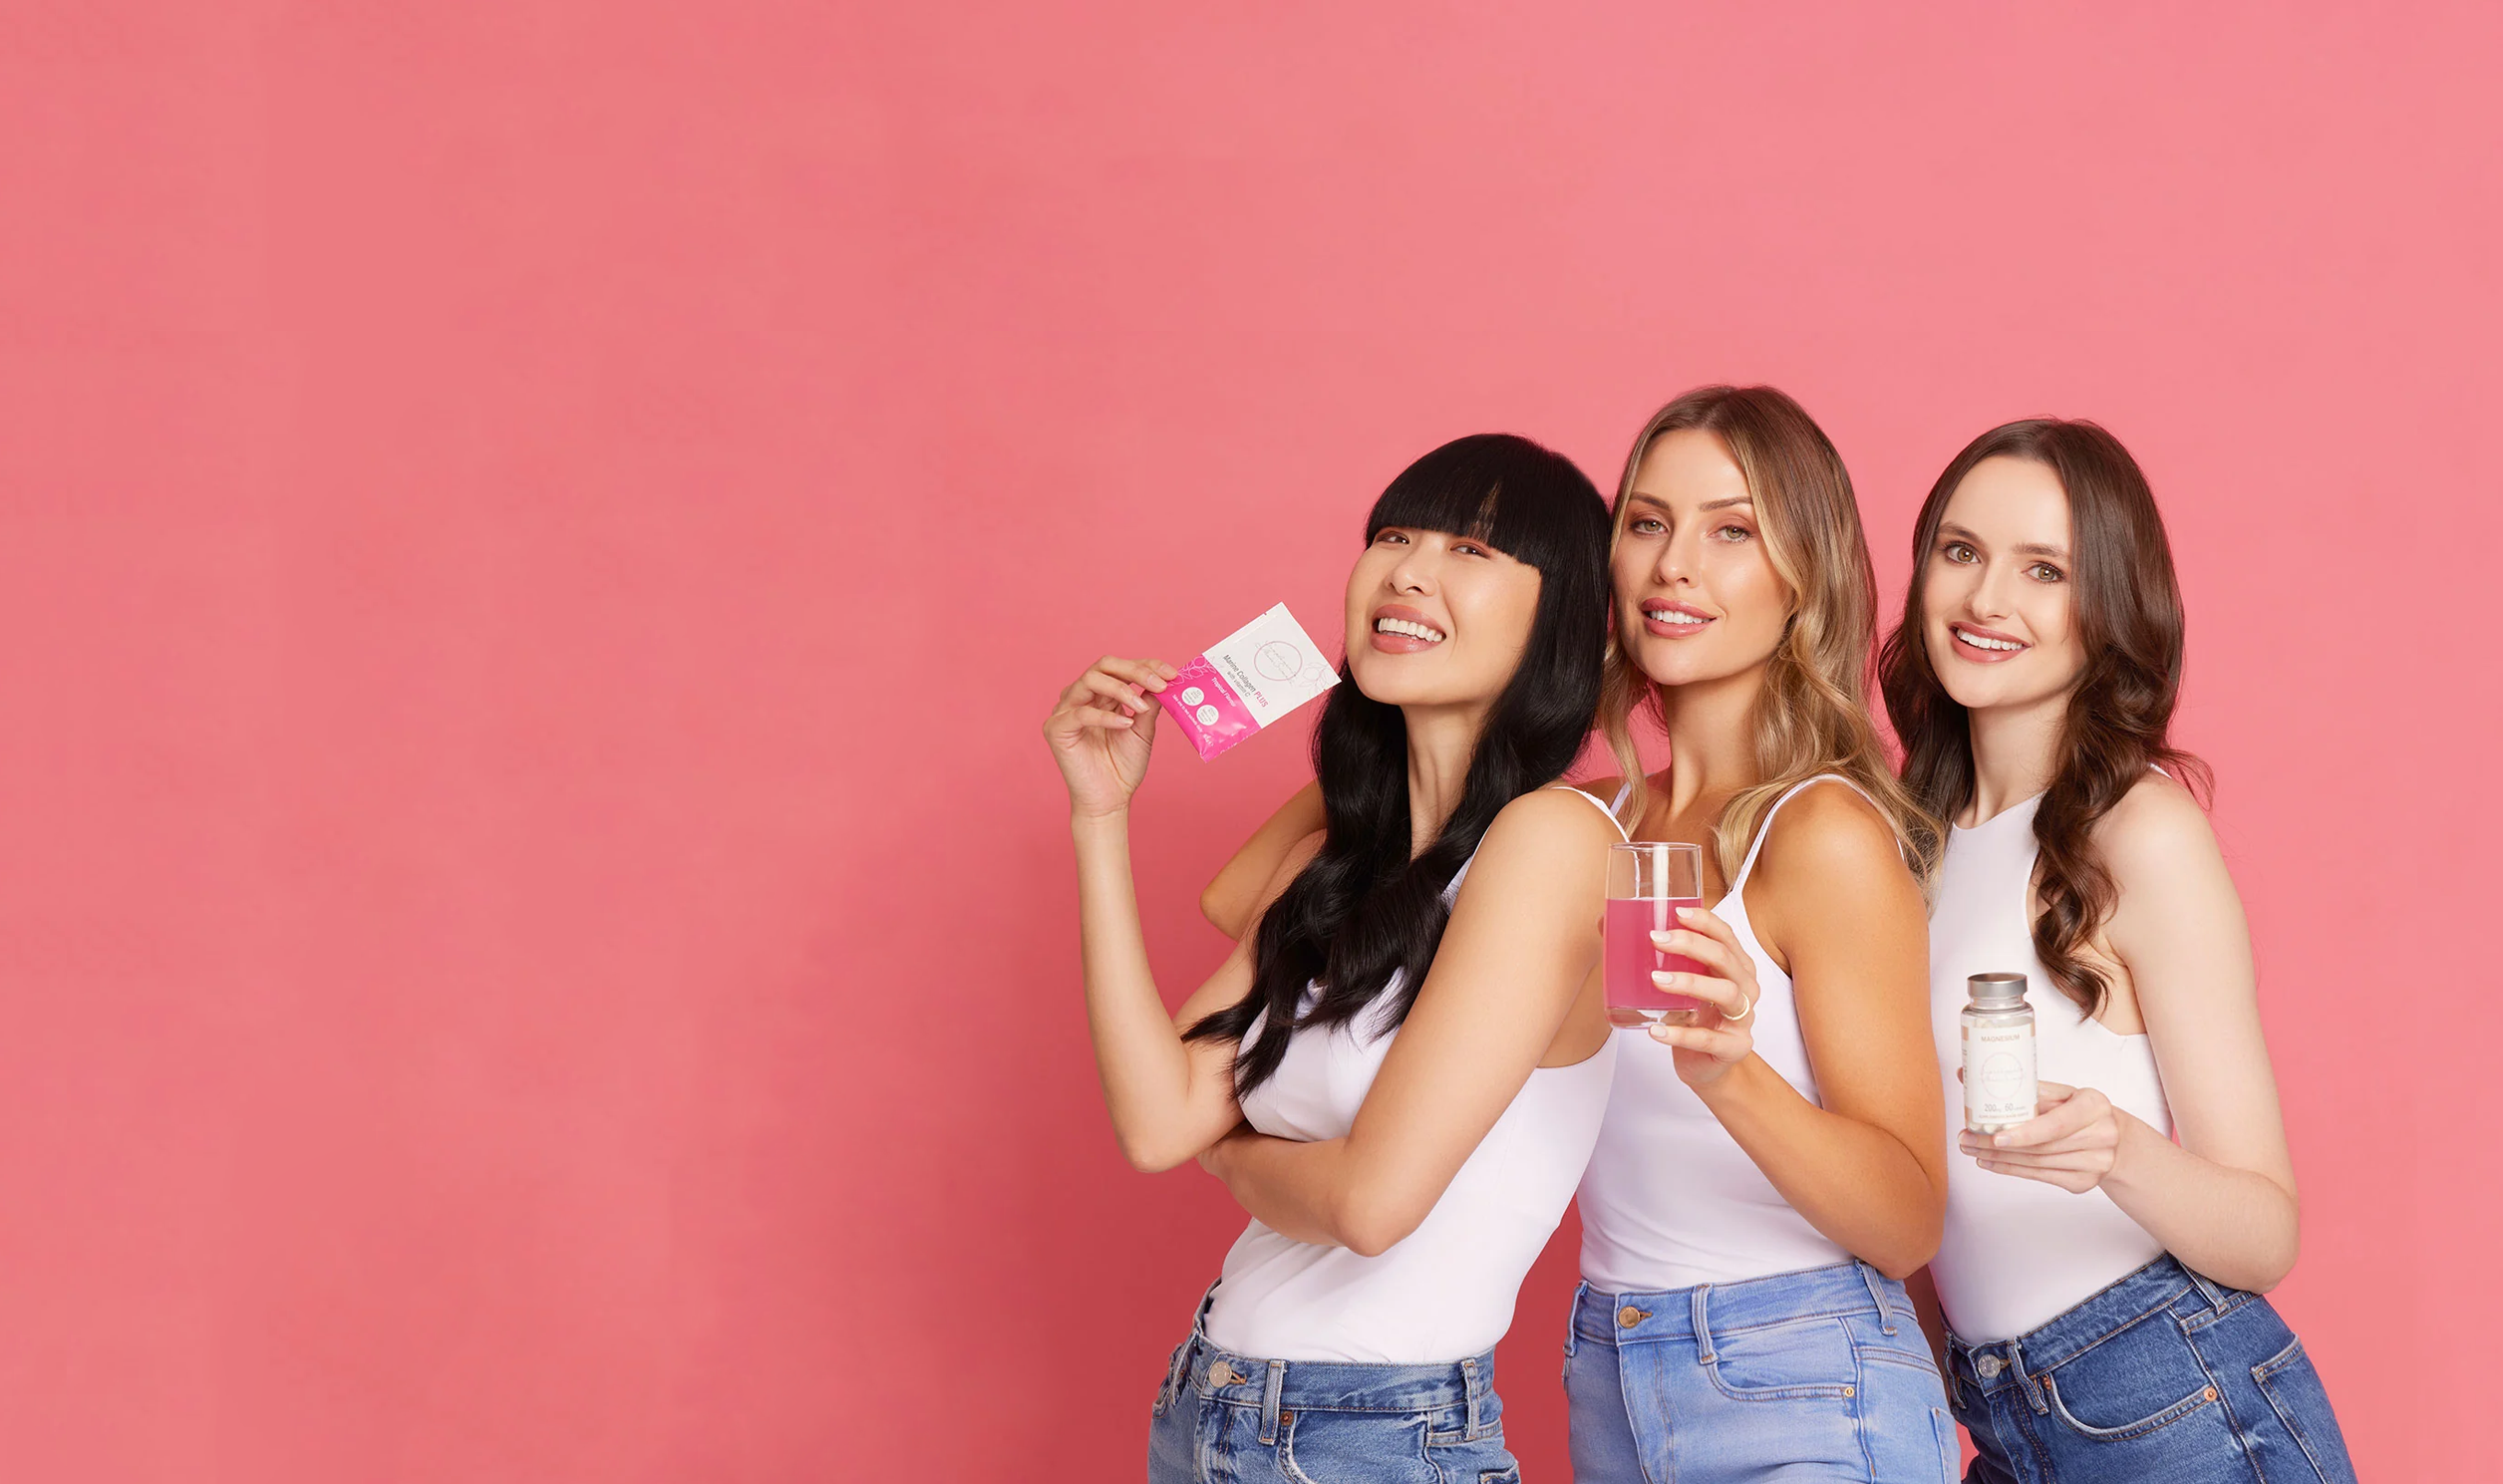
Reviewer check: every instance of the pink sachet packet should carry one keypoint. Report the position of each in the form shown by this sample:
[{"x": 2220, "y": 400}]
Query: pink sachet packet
[{"x": 1246, "y": 680}]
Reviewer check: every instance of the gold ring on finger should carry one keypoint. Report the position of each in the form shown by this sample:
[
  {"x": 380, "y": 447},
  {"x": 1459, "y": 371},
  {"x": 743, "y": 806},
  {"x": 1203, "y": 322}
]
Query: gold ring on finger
[{"x": 1743, "y": 1014}]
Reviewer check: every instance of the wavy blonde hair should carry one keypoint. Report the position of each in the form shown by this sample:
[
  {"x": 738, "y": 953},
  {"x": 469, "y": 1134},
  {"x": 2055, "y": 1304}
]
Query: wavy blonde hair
[{"x": 1812, "y": 715}]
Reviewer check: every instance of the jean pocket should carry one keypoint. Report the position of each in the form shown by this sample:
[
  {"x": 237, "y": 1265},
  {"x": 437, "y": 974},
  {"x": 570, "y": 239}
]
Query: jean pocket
[
  {"x": 2131, "y": 1383},
  {"x": 1324, "y": 1447},
  {"x": 1806, "y": 1357},
  {"x": 2296, "y": 1394},
  {"x": 1173, "y": 1380}
]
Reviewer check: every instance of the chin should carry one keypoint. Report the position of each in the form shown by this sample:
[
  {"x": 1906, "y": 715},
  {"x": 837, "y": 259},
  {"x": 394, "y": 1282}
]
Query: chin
[{"x": 1681, "y": 667}]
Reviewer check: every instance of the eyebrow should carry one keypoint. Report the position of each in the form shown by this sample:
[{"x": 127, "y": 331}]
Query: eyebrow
[
  {"x": 2027, "y": 548},
  {"x": 1723, "y": 504}
]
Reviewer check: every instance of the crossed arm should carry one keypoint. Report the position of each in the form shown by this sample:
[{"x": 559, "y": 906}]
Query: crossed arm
[{"x": 1521, "y": 947}]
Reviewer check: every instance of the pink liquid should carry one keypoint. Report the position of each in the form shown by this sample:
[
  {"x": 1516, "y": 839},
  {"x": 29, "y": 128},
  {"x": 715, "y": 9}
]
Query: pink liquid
[{"x": 1630, "y": 959}]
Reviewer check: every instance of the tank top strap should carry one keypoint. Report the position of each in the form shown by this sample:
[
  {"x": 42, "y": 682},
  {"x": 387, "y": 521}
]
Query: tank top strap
[
  {"x": 1603, "y": 808},
  {"x": 1765, "y": 826}
]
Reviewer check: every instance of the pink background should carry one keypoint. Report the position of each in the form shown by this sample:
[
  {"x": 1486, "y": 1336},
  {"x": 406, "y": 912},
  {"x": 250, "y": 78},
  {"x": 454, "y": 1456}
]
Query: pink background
[{"x": 535, "y": 933}]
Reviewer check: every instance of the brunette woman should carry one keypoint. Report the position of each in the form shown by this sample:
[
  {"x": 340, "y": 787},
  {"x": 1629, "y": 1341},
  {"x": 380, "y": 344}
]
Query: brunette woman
[{"x": 2103, "y": 1264}]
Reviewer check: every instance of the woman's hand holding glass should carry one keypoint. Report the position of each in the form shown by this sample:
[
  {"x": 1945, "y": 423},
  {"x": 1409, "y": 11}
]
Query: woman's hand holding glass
[
  {"x": 1722, "y": 1035},
  {"x": 1102, "y": 730}
]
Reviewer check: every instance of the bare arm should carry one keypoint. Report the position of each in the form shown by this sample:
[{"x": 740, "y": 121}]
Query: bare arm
[
  {"x": 1868, "y": 1168},
  {"x": 2223, "y": 1199},
  {"x": 1230, "y": 896},
  {"x": 1521, "y": 947},
  {"x": 1170, "y": 1098}
]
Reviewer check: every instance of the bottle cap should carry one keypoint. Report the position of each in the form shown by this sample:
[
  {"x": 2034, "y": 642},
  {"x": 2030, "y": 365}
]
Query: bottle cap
[{"x": 1996, "y": 991}]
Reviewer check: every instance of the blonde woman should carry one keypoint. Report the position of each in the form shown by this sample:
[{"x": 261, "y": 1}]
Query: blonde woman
[{"x": 1766, "y": 1177}]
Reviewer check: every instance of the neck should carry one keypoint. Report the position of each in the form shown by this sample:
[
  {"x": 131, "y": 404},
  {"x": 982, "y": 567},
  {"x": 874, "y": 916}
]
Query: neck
[
  {"x": 2015, "y": 753},
  {"x": 1441, "y": 742},
  {"x": 1711, "y": 744}
]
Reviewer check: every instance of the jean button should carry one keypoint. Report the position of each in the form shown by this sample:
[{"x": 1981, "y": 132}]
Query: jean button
[
  {"x": 1989, "y": 1366},
  {"x": 1628, "y": 1317},
  {"x": 1220, "y": 1375}
]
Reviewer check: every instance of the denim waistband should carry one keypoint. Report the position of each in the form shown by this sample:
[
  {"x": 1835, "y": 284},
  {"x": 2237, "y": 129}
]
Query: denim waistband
[
  {"x": 1273, "y": 1385},
  {"x": 1712, "y": 1309},
  {"x": 2161, "y": 1287}
]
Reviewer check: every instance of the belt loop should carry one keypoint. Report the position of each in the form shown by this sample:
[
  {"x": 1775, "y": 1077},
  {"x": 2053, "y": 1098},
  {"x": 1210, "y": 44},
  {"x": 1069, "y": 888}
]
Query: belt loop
[
  {"x": 2025, "y": 1378},
  {"x": 1475, "y": 1382},
  {"x": 1573, "y": 1319},
  {"x": 1183, "y": 1356},
  {"x": 1269, "y": 1403},
  {"x": 2208, "y": 1287},
  {"x": 1699, "y": 1311},
  {"x": 1877, "y": 1296}
]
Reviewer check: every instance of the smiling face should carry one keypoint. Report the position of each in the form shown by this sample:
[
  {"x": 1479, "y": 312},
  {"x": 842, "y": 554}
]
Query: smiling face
[
  {"x": 1434, "y": 619},
  {"x": 1696, "y": 594},
  {"x": 1998, "y": 609}
]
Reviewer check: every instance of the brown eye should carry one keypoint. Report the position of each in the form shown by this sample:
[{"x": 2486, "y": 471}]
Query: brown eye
[
  {"x": 2045, "y": 572},
  {"x": 1957, "y": 552}
]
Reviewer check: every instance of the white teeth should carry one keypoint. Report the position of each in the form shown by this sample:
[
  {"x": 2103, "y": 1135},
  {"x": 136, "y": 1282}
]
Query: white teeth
[
  {"x": 1411, "y": 630},
  {"x": 1671, "y": 616},
  {"x": 1977, "y": 642}
]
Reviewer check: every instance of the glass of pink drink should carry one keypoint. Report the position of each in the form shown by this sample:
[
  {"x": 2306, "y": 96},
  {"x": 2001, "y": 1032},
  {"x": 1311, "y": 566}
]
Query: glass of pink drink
[{"x": 1648, "y": 882}]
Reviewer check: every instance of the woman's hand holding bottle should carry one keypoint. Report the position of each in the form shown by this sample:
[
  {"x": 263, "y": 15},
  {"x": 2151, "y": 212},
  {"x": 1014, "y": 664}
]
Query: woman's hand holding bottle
[
  {"x": 2071, "y": 1141},
  {"x": 1102, "y": 730}
]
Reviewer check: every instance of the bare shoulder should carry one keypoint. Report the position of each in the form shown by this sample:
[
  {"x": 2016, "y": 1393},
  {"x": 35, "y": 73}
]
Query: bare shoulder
[
  {"x": 2157, "y": 836},
  {"x": 1830, "y": 830},
  {"x": 1549, "y": 826}
]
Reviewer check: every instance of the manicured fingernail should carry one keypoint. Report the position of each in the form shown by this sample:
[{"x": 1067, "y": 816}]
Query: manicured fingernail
[
  {"x": 1660, "y": 940},
  {"x": 1662, "y": 978},
  {"x": 1686, "y": 912}
]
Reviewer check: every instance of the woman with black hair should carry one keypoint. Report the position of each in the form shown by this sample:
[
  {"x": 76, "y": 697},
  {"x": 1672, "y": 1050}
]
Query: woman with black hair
[{"x": 1397, "y": 1075}]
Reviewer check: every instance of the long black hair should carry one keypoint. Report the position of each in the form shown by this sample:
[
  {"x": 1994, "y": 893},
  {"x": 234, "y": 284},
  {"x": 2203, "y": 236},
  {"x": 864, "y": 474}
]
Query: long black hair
[{"x": 1364, "y": 915}]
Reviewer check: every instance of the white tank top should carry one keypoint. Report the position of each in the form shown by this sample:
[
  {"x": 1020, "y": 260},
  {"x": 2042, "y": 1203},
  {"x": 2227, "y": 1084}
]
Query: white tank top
[
  {"x": 1444, "y": 1293},
  {"x": 1670, "y": 1199},
  {"x": 2018, "y": 1251}
]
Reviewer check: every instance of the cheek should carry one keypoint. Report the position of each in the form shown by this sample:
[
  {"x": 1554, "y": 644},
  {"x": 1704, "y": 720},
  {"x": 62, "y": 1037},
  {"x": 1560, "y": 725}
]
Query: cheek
[
  {"x": 1942, "y": 593},
  {"x": 1362, "y": 581},
  {"x": 1501, "y": 615},
  {"x": 2049, "y": 615},
  {"x": 1749, "y": 585}
]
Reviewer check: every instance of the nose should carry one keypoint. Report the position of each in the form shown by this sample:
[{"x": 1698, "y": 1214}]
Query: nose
[
  {"x": 1413, "y": 572},
  {"x": 1991, "y": 597},
  {"x": 1678, "y": 556}
]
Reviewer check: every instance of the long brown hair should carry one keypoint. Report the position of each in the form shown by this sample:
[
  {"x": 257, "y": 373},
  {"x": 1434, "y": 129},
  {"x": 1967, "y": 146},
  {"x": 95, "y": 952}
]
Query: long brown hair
[
  {"x": 2130, "y": 623},
  {"x": 1812, "y": 715}
]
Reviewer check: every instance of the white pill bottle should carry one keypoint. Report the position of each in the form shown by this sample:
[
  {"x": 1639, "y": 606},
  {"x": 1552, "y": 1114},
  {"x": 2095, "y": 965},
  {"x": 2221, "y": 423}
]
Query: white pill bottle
[{"x": 1999, "y": 1086}]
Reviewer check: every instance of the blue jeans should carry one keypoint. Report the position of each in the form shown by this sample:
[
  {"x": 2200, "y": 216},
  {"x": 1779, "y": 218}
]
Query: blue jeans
[
  {"x": 1818, "y": 1374},
  {"x": 1222, "y": 1419},
  {"x": 2164, "y": 1375}
]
